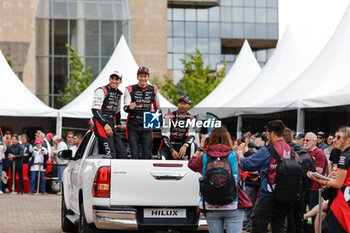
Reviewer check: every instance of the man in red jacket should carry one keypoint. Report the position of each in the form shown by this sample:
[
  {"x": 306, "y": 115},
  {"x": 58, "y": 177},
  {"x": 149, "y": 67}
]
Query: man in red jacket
[{"x": 321, "y": 165}]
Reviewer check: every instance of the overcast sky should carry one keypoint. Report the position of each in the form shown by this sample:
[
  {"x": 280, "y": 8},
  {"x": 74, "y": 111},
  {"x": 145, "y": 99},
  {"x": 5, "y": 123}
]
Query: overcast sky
[{"x": 312, "y": 21}]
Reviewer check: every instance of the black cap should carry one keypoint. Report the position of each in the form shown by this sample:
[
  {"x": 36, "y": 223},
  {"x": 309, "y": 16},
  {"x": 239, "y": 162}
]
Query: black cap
[
  {"x": 143, "y": 70},
  {"x": 185, "y": 98},
  {"x": 321, "y": 134},
  {"x": 300, "y": 136}
]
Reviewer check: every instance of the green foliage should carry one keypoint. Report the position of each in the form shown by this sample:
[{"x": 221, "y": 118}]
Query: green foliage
[
  {"x": 167, "y": 89},
  {"x": 79, "y": 78},
  {"x": 9, "y": 61},
  {"x": 197, "y": 82}
]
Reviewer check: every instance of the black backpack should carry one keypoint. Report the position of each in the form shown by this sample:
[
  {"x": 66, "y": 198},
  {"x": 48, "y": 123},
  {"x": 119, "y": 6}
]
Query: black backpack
[
  {"x": 289, "y": 176},
  {"x": 308, "y": 164},
  {"x": 218, "y": 186}
]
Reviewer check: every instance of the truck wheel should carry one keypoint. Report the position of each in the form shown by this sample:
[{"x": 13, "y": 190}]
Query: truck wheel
[
  {"x": 66, "y": 224},
  {"x": 84, "y": 227}
]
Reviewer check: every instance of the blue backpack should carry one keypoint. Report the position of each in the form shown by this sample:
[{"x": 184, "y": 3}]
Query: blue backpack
[{"x": 219, "y": 183}]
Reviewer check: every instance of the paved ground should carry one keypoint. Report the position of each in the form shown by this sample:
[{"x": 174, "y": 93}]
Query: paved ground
[{"x": 30, "y": 213}]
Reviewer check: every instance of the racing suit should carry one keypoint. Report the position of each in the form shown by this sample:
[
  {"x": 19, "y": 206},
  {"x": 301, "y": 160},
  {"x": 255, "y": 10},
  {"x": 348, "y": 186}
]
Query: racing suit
[
  {"x": 145, "y": 99},
  {"x": 106, "y": 110},
  {"x": 176, "y": 133}
]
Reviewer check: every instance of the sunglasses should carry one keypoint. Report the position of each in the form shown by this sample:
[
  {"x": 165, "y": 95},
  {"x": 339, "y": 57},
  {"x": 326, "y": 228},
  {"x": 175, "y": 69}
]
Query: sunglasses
[
  {"x": 337, "y": 137},
  {"x": 320, "y": 137},
  {"x": 114, "y": 77},
  {"x": 306, "y": 140}
]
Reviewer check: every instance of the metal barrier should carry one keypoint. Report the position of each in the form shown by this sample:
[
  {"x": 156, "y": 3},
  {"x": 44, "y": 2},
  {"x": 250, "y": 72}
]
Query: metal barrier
[{"x": 320, "y": 210}]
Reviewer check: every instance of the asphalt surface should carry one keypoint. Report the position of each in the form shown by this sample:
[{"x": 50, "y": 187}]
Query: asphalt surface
[{"x": 30, "y": 213}]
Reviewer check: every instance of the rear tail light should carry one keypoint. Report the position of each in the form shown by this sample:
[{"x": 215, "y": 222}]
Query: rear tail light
[{"x": 102, "y": 183}]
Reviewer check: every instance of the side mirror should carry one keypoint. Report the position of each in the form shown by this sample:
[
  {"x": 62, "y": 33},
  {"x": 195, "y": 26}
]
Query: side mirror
[{"x": 65, "y": 154}]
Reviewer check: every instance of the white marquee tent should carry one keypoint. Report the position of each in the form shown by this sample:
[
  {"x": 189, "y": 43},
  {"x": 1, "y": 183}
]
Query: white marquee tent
[
  {"x": 283, "y": 67},
  {"x": 243, "y": 71},
  {"x": 326, "y": 81},
  {"x": 121, "y": 60},
  {"x": 16, "y": 99}
]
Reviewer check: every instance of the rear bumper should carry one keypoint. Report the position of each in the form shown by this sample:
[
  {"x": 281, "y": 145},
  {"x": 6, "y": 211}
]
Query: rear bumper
[
  {"x": 127, "y": 219},
  {"x": 115, "y": 219}
]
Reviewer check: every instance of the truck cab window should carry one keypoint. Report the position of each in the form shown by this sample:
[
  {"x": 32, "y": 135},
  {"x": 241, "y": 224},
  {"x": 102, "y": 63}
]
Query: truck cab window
[{"x": 83, "y": 144}]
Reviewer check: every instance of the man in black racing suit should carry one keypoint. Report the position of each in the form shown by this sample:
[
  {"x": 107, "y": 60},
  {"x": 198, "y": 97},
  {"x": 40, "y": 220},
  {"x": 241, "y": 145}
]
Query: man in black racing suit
[
  {"x": 177, "y": 132},
  {"x": 140, "y": 98},
  {"x": 106, "y": 119}
]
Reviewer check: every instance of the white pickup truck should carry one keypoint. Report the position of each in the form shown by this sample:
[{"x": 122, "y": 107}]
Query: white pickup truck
[{"x": 110, "y": 194}]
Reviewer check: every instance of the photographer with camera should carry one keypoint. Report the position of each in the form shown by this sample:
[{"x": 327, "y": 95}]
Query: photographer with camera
[
  {"x": 38, "y": 161},
  {"x": 273, "y": 202},
  {"x": 252, "y": 183}
]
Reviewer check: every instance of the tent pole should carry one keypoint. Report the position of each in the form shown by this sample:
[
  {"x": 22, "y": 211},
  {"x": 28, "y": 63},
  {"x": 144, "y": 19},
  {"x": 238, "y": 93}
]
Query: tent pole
[
  {"x": 300, "y": 121},
  {"x": 59, "y": 124},
  {"x": 239, "y": 126}
]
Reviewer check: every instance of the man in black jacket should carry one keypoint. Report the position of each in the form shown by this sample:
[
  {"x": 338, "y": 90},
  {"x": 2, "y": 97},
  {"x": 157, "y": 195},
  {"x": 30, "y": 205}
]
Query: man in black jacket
[
  {"x": 15, "y": 154},
  {"x": 27, "y": 147},
  {"x": 138, "y": 99},
  {"x": 178, "y": 134},
  {"x": 106, "y": 120},
  {"x": 295, "y": 218}
]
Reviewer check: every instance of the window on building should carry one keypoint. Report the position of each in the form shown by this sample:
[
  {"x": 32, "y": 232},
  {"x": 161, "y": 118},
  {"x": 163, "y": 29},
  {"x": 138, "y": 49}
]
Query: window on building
[
  {"x": 93, "y": 28},
  {"x": 219, "y": 31}
]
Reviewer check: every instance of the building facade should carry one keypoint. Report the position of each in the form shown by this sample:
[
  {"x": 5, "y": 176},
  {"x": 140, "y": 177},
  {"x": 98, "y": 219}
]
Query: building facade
[
  {"x": 34, "y": 33},
  {"x": 218, "y": 29}
]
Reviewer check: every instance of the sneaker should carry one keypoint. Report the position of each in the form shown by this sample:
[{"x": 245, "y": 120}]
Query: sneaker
[{"x": 1, "y": 192}]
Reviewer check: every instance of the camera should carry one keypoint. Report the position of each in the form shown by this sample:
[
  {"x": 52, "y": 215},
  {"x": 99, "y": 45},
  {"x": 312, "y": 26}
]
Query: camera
[
  {"x": 207, "y": 141},
  {"x": 264, "y": 137}
]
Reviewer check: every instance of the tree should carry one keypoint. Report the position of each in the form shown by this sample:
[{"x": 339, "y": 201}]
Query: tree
[
  {"x": 79, "y": 78},
  {"x": 167, "y": 89},
  {"x": 197, "y": 81}
]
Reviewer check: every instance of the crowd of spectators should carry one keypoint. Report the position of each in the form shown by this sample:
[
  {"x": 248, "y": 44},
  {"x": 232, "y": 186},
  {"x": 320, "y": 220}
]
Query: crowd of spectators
[
  {"x": 326, "y": 156},
  {"x": 33, "y": 159}
]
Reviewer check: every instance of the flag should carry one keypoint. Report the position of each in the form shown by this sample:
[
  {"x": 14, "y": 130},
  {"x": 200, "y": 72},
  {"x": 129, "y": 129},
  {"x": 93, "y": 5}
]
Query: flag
[
  {"x": 338, "y": 215},
  {"x": 211, "y": 117}
]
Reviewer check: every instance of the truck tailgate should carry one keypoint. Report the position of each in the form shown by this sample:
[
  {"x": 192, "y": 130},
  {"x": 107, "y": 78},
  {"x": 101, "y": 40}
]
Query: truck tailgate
[{"x": 153, "y": 183}]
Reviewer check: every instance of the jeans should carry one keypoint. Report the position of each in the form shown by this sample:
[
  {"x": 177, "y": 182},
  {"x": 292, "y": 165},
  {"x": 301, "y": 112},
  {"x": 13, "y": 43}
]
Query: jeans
[
  {"x": 252, "y": 193},
  {"x": 34, "y": 180},
  {"x": 60, "y": 169},
  {"x": 313, "y": 199},
  {"x": 233, "y": 220},
  {"x": 0, "y": 176}
]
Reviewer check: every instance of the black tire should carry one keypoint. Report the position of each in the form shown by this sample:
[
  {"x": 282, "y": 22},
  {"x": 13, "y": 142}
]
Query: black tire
[
  {"x": 66, "y": 224},
  {"x": 84, "y": 227}
]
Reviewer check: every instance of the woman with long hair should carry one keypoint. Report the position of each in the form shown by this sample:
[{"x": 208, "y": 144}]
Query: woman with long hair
[
  {"x": 219, "y": 151},
  {"x": 338, "y": 215}
]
